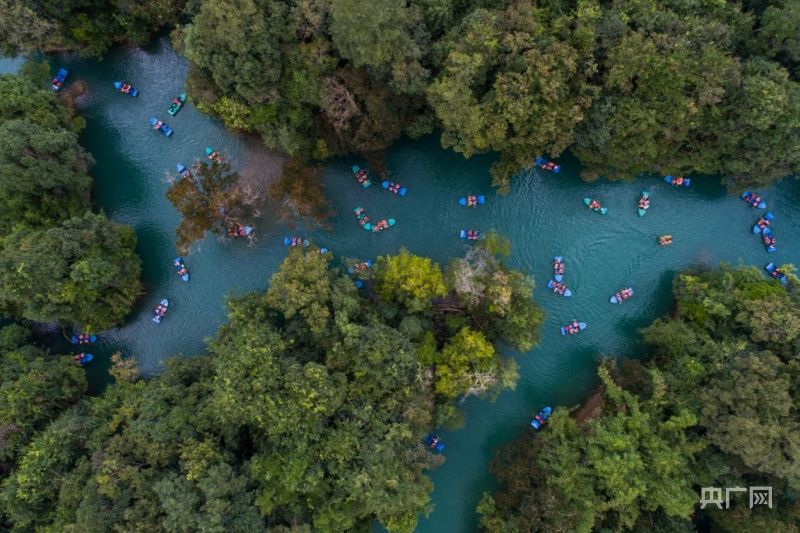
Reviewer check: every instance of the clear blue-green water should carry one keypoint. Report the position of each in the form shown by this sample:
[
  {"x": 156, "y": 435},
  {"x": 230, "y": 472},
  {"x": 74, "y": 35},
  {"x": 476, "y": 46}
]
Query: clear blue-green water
[{"x": 543, "y": 216}]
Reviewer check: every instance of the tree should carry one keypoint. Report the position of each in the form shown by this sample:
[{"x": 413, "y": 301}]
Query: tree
[
  {"x": 299, "y": 193},
  {"x": 409, "y": 280},
  {"x": 84, "y": 272},
  {"x": 468, "y": 365}
]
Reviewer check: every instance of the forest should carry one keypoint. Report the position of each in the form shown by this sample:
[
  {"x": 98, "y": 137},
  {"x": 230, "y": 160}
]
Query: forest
[
  {"x": 307, "y": 412},
  {"x": 715, "y": 405},
  {"x": 651, "y": 86}
]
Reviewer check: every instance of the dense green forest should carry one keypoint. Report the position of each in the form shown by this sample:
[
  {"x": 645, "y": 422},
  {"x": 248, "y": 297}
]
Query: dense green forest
[
  {"x": 308, "y": 411},
  {"x": 715, "y": 406},
  {"x": 59, "y": 261},
  {"x": 663, "y": 86}
]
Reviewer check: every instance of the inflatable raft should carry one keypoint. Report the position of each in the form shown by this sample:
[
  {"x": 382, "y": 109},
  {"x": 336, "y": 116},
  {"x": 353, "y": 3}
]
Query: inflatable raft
[
  {"x": 559, "y": 288},
  {"x": 183, "y": 172},
  {"x": 396, "y": 188},
  {"x": 776, "y": 273},
  {"x": 83, "y": 358},
  {"x": 472, "y": 200},
  {"x": 216, "y": 157},
  {"x": 544, "y": 164},
  {"x": 363, "y": 219},
  {"x": 383, "y": 224},
  {"x": 558, "y": 268},
  {"x": 126, "y": 88},
  {"x": 240, "y": 231},
  {"x": 469, "y": 234},
  {"x": 768, "y": 240},
  {"x": 294, "y": 242},
  {"x": 621, "y": 295},
  {"x": 361, "y": 176},
  {"x": 160, "y": 126},
  {"x": 177, "y": 104},
  {"x": 540, "y": 419},
  {"x": 644, "y": 203},
  {"x": 598, "y": 208},
  {"x": 180, "y": 268},
  {"x": 160, "y": 311},
  {"x": 763, "y": 221},
  {"x": 678, "y": 181},
  {"x": 58, "y": 82},
  {"x": 753, "y": 199},
  {"x": 573, "y": 327},
  {"x": 83, "y": 338},
  {"x": 434, "y": 443}
]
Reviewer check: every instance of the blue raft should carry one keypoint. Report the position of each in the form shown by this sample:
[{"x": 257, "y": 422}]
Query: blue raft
[
  {"x": 621, "y": 295},
  {"x": 479, "y": 200},
  {"x": 539, "y": 420},
  {"x": 677, "y": 181},
  {"x": 565, "y": 331},
  {"x": 126, "y": 88},
  {"x": 394, "y": 187},
  {"x": 763, "y": 221},
  {"x": 180, "y": 268},
  {"x": 558, "y": 268},
  {"x": 552, "y": 286},
  {"x": 83, "y": 338},
  {"x": 775, "y": 273},
  {"x": 753, "y": 199},
  {"x": 544, "y": 164},
  {"x": 58, "y": 82},
  {"x": 163, "y": 128},
  {"x": 84, "y": 358},
  {"x": 469, "y": 234},
  {"x": 293, "y": 242},
  {"x": 434, "y": 443},
  {"x": 160, "y": 311},
  {"x": 183, "y": 172},
  {"x": 768, "y": 240}
]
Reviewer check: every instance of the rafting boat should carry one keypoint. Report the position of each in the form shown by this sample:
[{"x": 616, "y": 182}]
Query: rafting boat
[
  {"x": 540, "y": 419},
  {"x": 434, "y": 443},
  {"x": 359, "y": 267},
  {"x": 160, "y": 311},
  {"x": 678, "y": 181},
  {"x": 768, "y": 240},
  {"x": 83, "y": 338},
  {"x": 362, "y": 218},
  {"x": 763, "y": 221},
  {"x": 126, "y": 88},
  {"x": 644, "y": 203},
  {"x": 573, "y": 327},
  {"x": 396, "y": 188},
  {"x": 559, "y": 288},
  {"x": 240, "y": 231},
  {"x": 544, "y": 164},
  {"x": 753, "y": 199},
  {"x": 382, "y": 224},
  {"x": 294, "y": 242},
  {"x": 214, "y": 156},
  {"x": 595, "y": 206},
  {"x": 472, "y": 200},
  {"x": 177, "y": 104},
  {"x": 558, "y": 268},
  {"x": 58, "y": 82},
  {"x": 83, "y": 358},
  {"x": 621, "y": 295},
  {"x": 776, "y": 273},
  {"x": 180, "y": 268},
  {"x": 469, "y": 234},
  {"x": 665, "y": 240},
  {"x": 160, "y": 126},
  {"x": 183, "y": 172},
  {"x": 361, "y": 176}
]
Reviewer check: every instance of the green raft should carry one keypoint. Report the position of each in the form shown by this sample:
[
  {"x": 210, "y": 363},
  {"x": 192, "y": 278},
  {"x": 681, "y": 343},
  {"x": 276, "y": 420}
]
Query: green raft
[
  {"x": 602, "y": 210},
  {"x": 177, "y": 104}
]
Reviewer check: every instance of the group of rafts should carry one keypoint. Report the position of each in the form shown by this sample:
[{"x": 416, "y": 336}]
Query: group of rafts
[{"x": 762, "y": 227}]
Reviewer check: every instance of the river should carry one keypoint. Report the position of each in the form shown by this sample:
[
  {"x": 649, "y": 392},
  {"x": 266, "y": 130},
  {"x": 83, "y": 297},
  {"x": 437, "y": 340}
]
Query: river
[{"x": 543, "y": 216}]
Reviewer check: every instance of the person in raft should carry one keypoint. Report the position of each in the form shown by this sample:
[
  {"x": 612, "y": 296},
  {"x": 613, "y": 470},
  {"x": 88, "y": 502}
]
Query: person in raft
[
  {"x": 56, "y": 83},
  {"x": 559, "y": 288},
  {"x": 161, "y": 310},
  {"x": 473, "y": 234},
  {"x": 363, "y": 219},
  {"x": 664, "y": 240},
  {"x": 157, "y": 125},
  {"x": 78, "y": 357},
  {"x": 769, "y": 240},
  {"x": 176, "y": 100},
  {"x": 678, "y": 180},
  {"x": 435, "y": 442},
  {"x": 644, "y": 203},
  {"x": 472, "y": 200},
  {"x": 361, "y": 175},
  {"x": 778, "y": 272},
  {"x": 574, "y": 327},
  {"x": 594, "y": 204},
  {"x": 83, "y": 338}
]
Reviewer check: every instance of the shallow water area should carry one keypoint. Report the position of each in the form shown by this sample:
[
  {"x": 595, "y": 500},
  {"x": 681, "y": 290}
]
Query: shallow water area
[{"x": 543, "y": 215}]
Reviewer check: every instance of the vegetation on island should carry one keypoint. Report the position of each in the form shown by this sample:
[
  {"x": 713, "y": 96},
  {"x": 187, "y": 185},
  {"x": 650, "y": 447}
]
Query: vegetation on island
[
  {"x": 308, "y": 411},
  {"x": 59, "y": 261},
  {"x": 715, "y": 406}
]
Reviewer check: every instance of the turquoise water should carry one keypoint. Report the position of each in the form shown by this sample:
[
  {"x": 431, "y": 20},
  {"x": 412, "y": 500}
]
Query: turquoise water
[{"x": 543, "y": 216}]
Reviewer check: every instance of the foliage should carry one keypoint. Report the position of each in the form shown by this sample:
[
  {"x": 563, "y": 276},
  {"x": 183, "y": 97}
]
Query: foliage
[
  {"x": 714, "y": 407},
  {"x": 409, "y": 280},
  {"x": 299, "y": 193},
  {"x": 82, "y": 272}
]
